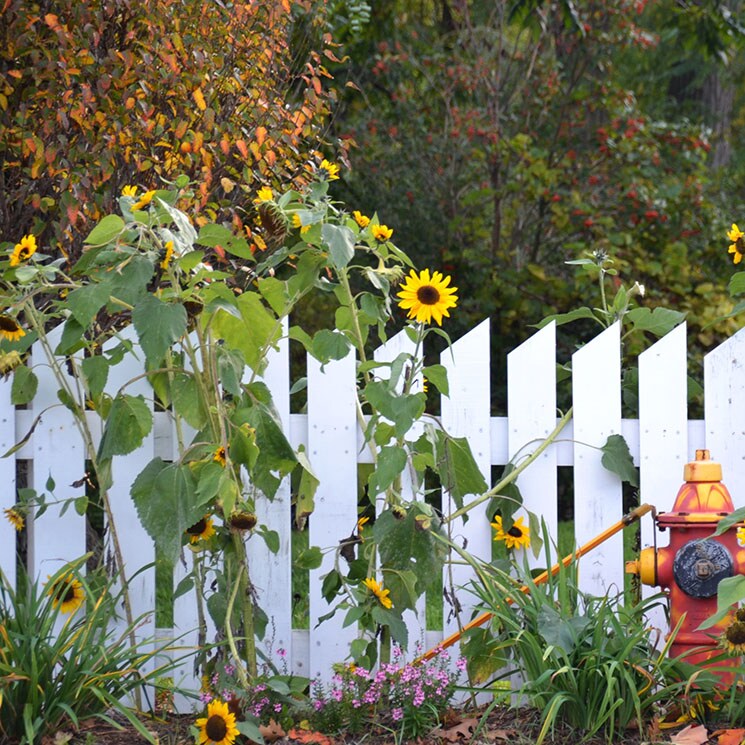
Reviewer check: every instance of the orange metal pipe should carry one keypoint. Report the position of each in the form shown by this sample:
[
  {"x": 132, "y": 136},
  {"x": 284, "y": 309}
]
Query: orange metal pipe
[{"x": 627, "y": 519}]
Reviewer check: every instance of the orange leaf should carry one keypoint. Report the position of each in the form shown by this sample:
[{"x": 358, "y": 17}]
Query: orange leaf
[
  {"x": 198, "y": 97},
  {"x": 312, "y": 738},
  {"x": 270, "y": 157},
  {"x": 242, "y": 149},
  {"x": 260, "y": 135},
  {"x": 271, "y": 732},
  {"x": 693, "y": 734},
  {"x": 730, "y": 736}
]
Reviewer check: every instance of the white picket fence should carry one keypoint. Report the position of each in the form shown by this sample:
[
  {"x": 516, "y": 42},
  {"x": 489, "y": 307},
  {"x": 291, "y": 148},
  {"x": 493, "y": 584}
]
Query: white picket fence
[{"x": 661, "y": 440}]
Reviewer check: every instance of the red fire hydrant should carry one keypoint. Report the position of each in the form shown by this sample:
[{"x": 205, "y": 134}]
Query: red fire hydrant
[{"x": 695, "y": 561}]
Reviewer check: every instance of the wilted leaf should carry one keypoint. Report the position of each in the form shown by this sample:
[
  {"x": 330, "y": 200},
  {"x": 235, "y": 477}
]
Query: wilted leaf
[
  {"x": 617, "y": 459},
  {"x": 693, "y": 734}
]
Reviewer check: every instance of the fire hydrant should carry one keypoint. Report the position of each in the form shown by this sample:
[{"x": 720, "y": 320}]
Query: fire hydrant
[{"x": 695, "y": 561}]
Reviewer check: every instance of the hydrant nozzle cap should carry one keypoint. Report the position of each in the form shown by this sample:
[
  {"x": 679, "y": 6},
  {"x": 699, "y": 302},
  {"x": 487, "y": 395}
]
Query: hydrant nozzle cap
[{"x": 702, "y": 469}]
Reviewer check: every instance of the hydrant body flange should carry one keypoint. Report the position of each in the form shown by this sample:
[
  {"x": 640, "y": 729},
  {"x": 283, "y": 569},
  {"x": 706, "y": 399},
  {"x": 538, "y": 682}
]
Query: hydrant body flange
[{"x": 695, "y": 561}]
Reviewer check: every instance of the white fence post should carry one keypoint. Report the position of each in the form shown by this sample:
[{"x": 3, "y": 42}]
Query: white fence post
[
  {"x": 596, "y": 390},
  {"x": 8, "y": 438}
]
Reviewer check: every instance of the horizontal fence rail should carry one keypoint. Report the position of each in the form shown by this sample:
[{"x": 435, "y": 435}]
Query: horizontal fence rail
[{"x": 661, "y": 440}]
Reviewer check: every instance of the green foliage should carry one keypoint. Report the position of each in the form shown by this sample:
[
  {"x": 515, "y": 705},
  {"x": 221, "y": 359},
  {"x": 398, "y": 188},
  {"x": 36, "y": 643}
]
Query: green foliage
[{"x": 60, "y": 668}]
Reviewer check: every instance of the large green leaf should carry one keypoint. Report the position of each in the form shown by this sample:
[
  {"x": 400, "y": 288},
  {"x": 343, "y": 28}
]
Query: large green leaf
[
  {"x": 128, "y": 423},
  {"x": 165, "y": 499},
  {"x": 187, "y": 401},
  {"x": 659, "y": 321},
  {"x": 129, "y": 281},
  {"x": 617, "y": 458},
  {"x": 85, "y": 302},
  {"x": 106, "y": 230},
  {"x": 484, "y": 654},
  {"x": 329, "y": 345},
  {"x": 391, "y": 462},
  {"x": 95, "y": 372},
  {"x": 252, "y": 333},
  {"x": 459, "y": 473},
  {"x": 306, "y": 489},
  {"x": 158, "y": 325},
  {"x": 401, "y": 409},
  {"x": 730, "y": 593},
  {"x": 218, "y": 235},
  {"x": 340, "y": 240},
  {"x": 24, "y": 386},
  {"x": 406, "y": 543}
]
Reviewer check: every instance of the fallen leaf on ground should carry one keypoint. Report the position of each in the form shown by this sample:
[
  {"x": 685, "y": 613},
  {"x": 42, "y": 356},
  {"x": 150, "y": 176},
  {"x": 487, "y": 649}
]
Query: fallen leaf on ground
[
  {"x": 462, "y": 731},
  {"x": 311, "y": 738},
  {"x": 272, "y": 731},
  {"x": 693, "y": 734},
  {"x": 730, "y": 736},
  {"x": 493, "y": 735}
]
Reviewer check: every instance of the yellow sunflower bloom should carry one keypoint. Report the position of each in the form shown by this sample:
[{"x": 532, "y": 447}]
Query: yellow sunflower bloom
[
  {"x": 66, "y": 593},
  {"x": 202, "y": 530},
  {"x": 381, "y": 233},
  {"x": 361, "y": 524},
  {"x": 737, "y": 247},
  {"x": 264, "y": 194},
  {"x": 220, "y": 456},
  {"x": 517, "y": 536},
  {"x": 218, "y": 727},
  {"x": 144, "y": 200},
  {"x": 9, "y": 328},
  {"x": 362, "y": 220},
  {"x": 169, "y": 253},
  {"x": 379, "y": 592},
  {"x": 23, "y": 250},
  {"x": 426, "y": 297},
  {"x": 129, "y": 191},
  {"x": 328, "y": 171},
  {"x": 15, "y": 518}
]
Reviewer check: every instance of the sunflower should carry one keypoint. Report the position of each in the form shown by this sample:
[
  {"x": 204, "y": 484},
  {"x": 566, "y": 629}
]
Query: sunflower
[
  {"x": 10, "y": 329},
  {"x": 379, "y": 592},
  {"x": 426, "y": 297},
  {"x": 361, "y": 524},
  {"x": 517, "y": 536},
  {"x": 733, "y": 638},
  {"x": 218, "y": 727},
  {"x": 201, "y": 530},
  {"x": 169, "y": 253},
  {"x": 243, "y": 520},
  {"x": 144, "y": 200},
  {"x": 328, "y": 171},
  {"x": 220, "y": 456},
  {"x": 129, "y": 191},
  {"x": 362, "y": 220},
  {"x": 23, "y": 250},
  {"x": 381, "y": 233},
  {"x": 66, "y": 593},
  {"x": 15, "y": 518},
  {"x": 264, "y": 194},
  {"x": 737, "y": 247}
]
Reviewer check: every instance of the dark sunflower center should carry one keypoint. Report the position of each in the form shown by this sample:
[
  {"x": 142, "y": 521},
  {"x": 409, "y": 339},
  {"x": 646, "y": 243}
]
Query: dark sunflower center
[
  {"x": 24, "y": 253},
  {"x": 736, "y": 633},
  {"x": 740, "y": 244},
  {"x": 197, "y": 528},
  {"x": 216, "y": 728},
  {"x": 69, "y": 593},
  {"x": 515, "y": 532},
  {"x": 8, "y": 324},
  {"x": 243, "y": 520},
  {"x": 427, "y": 295}
]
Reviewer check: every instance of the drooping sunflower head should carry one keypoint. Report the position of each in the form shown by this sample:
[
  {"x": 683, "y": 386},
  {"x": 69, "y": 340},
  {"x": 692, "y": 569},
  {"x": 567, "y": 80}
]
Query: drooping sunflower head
[
  {"x": 66, "y": 593},
  {"x": 737, "y": 246},
  {"x": 15, "y": 518},
  {"x": 242, "y": 520},
  {"x": 201, "y": 530},
  {"x": 740, "y": 614},
  {"x": 328, "y": 171},
  {"x": 733, "y": 638},
  {"x": 218, "y": 727},
  {"x": 517, "y": 536},
  {"x": 425, "y": 297},
  {"x": 10, "y": 328},
  {"x": 381, "y": 594},
  {"x": 23, "y": 250}
]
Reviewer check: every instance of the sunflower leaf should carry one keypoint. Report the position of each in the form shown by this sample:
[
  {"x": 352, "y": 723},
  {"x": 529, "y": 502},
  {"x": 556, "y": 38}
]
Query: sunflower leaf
[{"x": 129, "y": 422}]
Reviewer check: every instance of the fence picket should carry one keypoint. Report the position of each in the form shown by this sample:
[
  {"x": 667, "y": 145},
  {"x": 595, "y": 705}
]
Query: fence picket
[
  {"x": 596, "y": 390},
  {"x": 8, "y": 438},
  {"x": 724, "y": 411},
  {"x": 465, "y": 413},
  {"x": 332, "y": 448},
  {"x": 531, "y": 403}
]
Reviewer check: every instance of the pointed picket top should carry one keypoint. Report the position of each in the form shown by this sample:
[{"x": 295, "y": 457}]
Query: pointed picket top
[
  {"x": 59, "y": 452},
  {"x": 724, "y": 411},
  {"x": 467, "y": 413},
  {"x": 332, "y": 450},
  {"x": 531, "y": 406},
  {"x": 663, "y": 423},
  {"x": 271, "y": 573},
  {"x": 598, "y": 503},
  {"x": 8, "y": 439}
]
